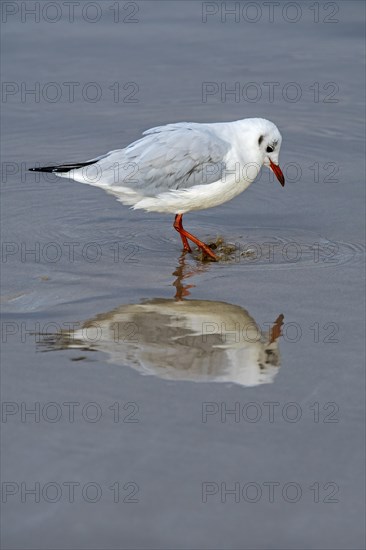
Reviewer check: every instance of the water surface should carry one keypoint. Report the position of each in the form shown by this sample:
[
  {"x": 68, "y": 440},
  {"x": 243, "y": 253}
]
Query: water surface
[{"x": 163, "y": 437}]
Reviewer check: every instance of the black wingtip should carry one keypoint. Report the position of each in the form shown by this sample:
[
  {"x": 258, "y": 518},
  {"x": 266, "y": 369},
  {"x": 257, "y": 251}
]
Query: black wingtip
[
  {"x": 44, "y": 169},
  {"x": 62, "y": 168}
]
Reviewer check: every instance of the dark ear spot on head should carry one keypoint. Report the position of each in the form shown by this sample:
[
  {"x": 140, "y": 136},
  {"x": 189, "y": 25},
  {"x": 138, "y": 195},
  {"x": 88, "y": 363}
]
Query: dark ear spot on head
[{"x": 260, "y": 140}]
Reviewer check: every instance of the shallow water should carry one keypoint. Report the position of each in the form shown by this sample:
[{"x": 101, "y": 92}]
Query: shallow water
[{"x": 123, "y": 411}]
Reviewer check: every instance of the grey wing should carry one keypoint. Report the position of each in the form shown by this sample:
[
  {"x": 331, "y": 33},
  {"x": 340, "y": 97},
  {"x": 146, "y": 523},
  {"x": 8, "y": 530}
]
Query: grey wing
[{"x": 175, "y": 156}]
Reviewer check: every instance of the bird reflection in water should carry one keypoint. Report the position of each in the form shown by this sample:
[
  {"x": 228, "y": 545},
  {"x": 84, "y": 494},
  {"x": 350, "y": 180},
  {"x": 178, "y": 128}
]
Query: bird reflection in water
[{"x": 179, "y": 339}]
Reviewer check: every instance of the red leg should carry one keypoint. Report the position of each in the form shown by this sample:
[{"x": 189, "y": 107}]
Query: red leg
[{"x": 178, "y": 225}]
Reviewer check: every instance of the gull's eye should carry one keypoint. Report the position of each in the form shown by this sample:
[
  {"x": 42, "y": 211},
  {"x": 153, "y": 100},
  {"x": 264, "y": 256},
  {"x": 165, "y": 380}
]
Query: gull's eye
[{"x": 269, "y": 149}]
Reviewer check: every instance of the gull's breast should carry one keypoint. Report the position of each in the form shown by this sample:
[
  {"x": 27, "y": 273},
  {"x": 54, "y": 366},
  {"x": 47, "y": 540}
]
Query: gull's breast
[{"x": 198, "y": 197}]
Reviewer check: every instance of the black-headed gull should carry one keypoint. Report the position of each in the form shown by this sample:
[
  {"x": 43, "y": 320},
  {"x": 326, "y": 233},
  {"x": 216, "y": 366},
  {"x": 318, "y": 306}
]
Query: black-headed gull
[{"x": 183, "y": 166}]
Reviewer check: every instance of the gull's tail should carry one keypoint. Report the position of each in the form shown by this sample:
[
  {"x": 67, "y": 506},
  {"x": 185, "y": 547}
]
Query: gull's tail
[{"x": 63, "y": 168}]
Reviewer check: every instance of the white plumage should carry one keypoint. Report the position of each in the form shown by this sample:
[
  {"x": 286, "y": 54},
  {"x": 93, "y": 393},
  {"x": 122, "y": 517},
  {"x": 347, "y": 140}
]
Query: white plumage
[{"x": 183, "y": 166}]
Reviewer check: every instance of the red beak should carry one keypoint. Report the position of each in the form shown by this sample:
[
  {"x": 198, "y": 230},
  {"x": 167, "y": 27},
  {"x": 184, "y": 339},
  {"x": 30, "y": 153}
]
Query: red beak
[{"x": 278, "y": 172}]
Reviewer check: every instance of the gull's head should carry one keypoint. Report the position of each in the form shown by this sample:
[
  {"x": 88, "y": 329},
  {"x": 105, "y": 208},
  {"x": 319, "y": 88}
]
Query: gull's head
[{"x": 268, "y": 141}]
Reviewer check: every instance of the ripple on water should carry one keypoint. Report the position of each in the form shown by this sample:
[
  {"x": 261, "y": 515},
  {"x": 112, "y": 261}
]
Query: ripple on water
[{"x": 270, "y": 247}]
